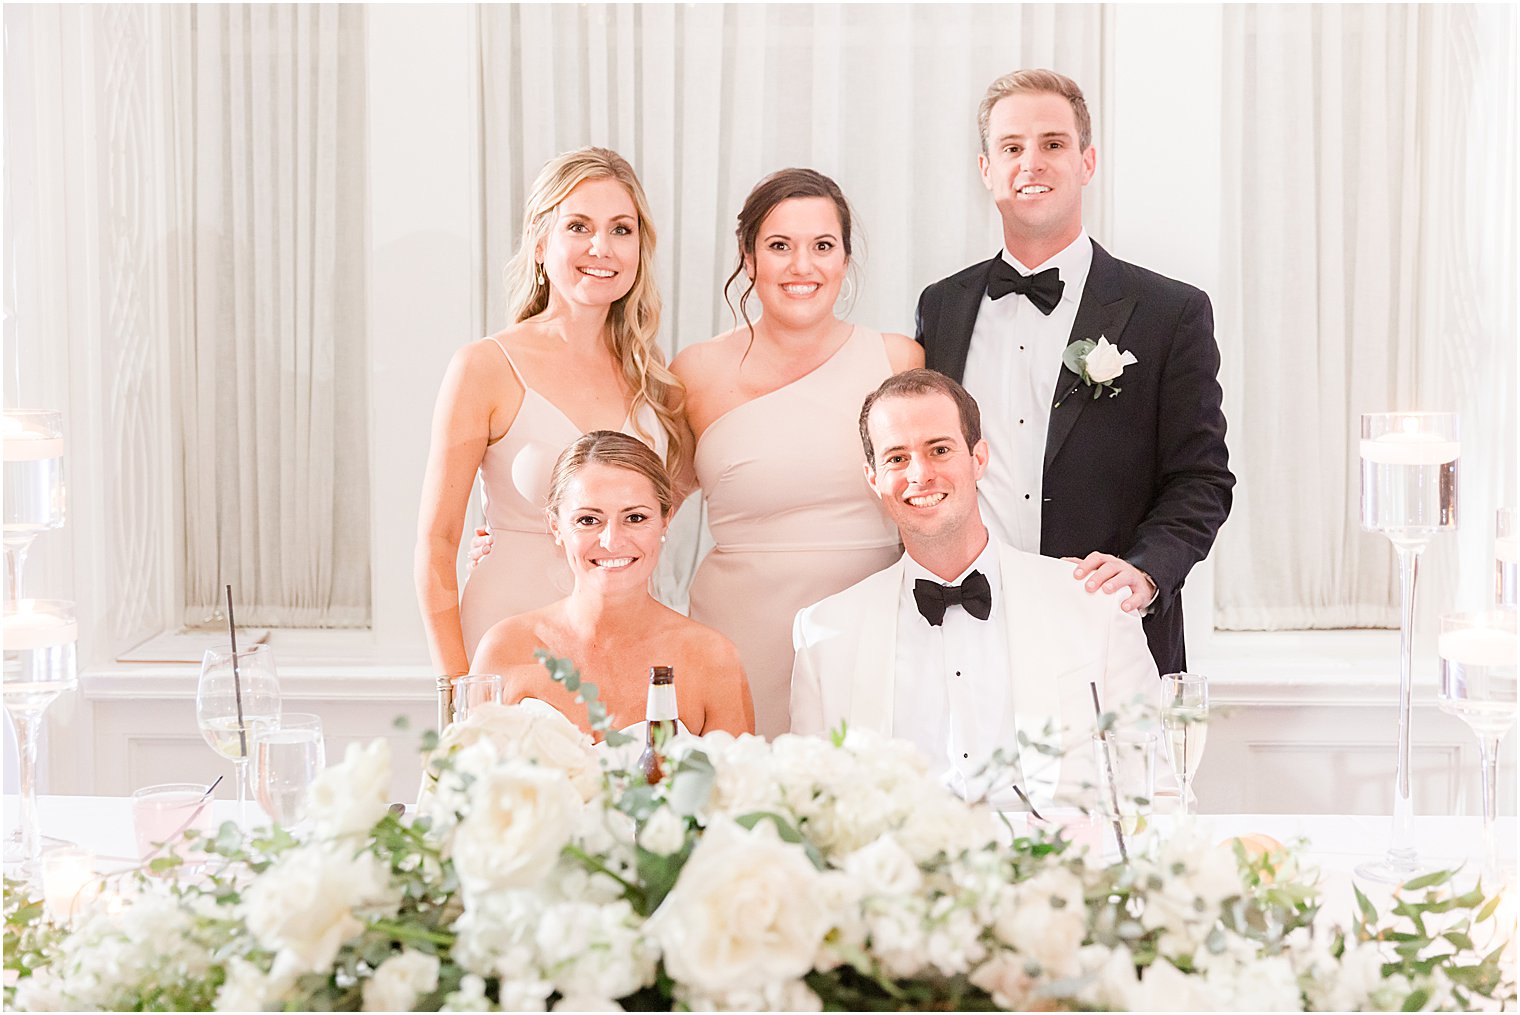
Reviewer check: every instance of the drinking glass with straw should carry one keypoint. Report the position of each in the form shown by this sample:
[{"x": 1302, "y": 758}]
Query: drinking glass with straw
[{"x": 237, "y": 696}]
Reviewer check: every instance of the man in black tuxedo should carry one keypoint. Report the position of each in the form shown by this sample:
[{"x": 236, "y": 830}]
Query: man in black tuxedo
[{"x": 1129, "y": 441}]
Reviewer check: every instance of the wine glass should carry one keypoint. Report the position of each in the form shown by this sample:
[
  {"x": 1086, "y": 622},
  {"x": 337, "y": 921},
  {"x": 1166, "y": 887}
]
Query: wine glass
[
  {"x": 1477, "y": 653},
  {"x": 286, "y": 761},
  {"x": 237, "y": 697},
  {"x": 33, "y": 485},
  {"x": 39, "y": 666},
  {"x": 1409, "y": 494},
  {"x": 1185, "y": 725}
]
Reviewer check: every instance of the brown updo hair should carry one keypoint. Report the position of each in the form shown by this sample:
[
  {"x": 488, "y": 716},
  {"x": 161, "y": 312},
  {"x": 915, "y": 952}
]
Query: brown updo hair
[
  {"x": 619, "y": 450},
  {"x": 782, "y": 185}
]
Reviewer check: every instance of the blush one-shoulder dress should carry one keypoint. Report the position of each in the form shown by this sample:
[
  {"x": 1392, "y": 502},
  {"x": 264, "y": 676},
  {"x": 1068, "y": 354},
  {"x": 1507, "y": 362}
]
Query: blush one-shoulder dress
[
  {"x": 791, "y": 515},
  {"x": 525, "y": 570}
]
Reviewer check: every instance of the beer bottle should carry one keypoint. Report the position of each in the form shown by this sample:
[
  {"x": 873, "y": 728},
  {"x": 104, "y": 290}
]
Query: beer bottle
[{"x": 660, "y": 722}]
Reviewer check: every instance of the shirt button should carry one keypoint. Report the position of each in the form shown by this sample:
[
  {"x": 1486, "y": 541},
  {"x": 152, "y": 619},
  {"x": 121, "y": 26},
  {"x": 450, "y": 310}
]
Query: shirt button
[
  {"x": 957, "y": 673},
  {"x": 965, "y": 755},
  {"x": 1026, "y": 496},
  {"x": 1021, "y": 422}
]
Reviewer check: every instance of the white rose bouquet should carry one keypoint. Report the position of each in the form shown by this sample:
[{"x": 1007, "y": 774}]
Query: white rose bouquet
[{"x": 798, "y": 874}]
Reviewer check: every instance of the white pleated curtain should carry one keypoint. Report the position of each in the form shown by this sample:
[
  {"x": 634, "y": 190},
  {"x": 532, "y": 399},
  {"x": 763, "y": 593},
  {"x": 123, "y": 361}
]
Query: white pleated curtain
[
  {"x": 705, "y": 100},
  {"x": 1370, "y": 259},
  {"x": 268, "y": 119}
]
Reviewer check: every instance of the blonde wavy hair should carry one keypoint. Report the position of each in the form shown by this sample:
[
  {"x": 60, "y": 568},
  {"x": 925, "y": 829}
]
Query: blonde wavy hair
[{"x": 632, "y": 321}]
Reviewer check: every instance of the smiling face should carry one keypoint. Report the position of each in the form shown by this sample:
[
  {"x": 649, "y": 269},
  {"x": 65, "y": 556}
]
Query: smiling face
[
  {"x": 591, "y": 251},
  {"x": 924, "y": 473},
  {"x": 799, "y": 261},
  {"x": 1036, "y": 170},
  {"x": 610, "y": 525}
]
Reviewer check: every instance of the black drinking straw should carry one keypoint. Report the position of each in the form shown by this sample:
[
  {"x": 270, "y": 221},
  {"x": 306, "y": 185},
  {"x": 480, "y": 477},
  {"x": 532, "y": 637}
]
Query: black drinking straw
[
  {"x": 1108, "y": 763},
  {"x": 237, "y": 679}
]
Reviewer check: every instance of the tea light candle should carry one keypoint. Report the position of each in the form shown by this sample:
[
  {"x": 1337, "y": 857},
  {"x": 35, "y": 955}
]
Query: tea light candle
[
  {"x": 66, "y": 873},
  {"x": 1410, "y": 448},
  {"x": 1479, "y": 646},
  {"x": 29, "y": 628}
]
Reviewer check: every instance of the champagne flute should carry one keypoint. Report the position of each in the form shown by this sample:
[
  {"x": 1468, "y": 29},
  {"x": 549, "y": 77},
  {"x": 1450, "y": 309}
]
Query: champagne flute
[
  {"x": 237, "y": 697},
  {"x": 1477, "y": 653},
  {"x": 286, "y": 761},
  {"x": 1185, "y": 725}
]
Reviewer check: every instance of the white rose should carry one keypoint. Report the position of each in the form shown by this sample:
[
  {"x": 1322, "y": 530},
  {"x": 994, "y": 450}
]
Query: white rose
[
  {"x": 540, "y": 735},
  {"x": 520, "y": 817},
  {"x": 1045, "y": 919},
  {"x": 400, "y": 980},
  {"x": 1164, "y": 987},
  {"x": 307, "y": 905},
  {"x": 1005, "y": 976},
  {"x": 585, "y": 1002},
  {"x": 884, "y": 868},
  {"x": 249, "y": 988},
  {"x": 350, "y": 797},
  {"x": 746, "y": 911},
  {"x": 663, "y": 833},
  {"x": 1109, "y": 974},
  {"x": 471, "y": 996},
  {"x": 1105, "y": 362}
]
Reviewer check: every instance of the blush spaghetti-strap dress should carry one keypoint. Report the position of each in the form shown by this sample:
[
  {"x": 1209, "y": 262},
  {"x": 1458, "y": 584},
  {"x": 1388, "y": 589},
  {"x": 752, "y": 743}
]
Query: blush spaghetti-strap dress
[{"x": 525, "y": 570}]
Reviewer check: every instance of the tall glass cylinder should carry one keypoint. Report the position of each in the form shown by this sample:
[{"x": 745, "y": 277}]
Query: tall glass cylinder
[
  {"x": 39, "y": 666},
  {"x": 1478, "y": 667},
  {"x": 34, "y": 497},
  {"x": 1409, "y": 493}
]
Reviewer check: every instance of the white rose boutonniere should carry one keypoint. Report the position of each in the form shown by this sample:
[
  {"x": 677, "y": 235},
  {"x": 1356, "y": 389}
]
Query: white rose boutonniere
[{"x": 1098, "y": 363}]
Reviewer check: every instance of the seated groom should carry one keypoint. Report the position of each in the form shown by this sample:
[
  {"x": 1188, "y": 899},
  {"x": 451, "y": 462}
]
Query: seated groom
[{"x": 965, "y": 643}]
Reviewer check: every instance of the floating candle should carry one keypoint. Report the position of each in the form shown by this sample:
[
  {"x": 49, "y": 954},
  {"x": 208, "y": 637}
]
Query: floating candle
[
  {"x": 1397, "y": 448},
  {"x": 1504, "y": 549},
  {"x": 33, "y": 626},
  {"x": 1479, "y": 646}
]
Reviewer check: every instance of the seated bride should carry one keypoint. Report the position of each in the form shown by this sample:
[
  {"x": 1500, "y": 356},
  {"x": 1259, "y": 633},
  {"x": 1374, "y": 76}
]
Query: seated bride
[{"x": 609, "y": 504}]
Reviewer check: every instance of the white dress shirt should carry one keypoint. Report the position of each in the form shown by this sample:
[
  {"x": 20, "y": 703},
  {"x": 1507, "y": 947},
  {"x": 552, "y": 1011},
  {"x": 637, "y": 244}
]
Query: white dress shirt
[
  {"x": 1011, "y": 371},
  {"x": 953, "y": 696}
]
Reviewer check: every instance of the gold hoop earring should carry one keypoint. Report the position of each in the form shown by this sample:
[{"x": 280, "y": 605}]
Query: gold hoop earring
[{"x": 849, "y": 284}]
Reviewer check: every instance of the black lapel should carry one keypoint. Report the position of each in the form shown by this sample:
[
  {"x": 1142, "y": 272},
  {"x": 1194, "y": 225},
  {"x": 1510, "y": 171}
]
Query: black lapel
[
  {"x": 1104, "y": 310},
  {"x": 964, "y": 300}
]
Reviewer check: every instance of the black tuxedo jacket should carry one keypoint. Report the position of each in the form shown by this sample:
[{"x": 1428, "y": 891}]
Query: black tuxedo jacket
[{"x": 1143, "y": 474}]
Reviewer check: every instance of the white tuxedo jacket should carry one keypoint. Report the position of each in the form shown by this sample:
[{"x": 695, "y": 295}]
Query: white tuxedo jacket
[{"x": 1060, "y": 638}]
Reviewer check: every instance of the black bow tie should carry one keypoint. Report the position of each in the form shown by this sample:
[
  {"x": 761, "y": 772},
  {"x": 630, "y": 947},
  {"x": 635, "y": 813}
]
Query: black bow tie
[
  {"x": 1043, "y": 288},
  {"x": 974, "y": 595}
]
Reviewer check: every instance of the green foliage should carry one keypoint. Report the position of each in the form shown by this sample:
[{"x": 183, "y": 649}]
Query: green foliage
[{"x": 565, "y": 673}]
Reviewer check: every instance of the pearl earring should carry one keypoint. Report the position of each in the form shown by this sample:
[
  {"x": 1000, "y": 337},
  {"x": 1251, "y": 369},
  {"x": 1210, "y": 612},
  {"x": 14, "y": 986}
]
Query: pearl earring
[{"x": 538, "y": 275}]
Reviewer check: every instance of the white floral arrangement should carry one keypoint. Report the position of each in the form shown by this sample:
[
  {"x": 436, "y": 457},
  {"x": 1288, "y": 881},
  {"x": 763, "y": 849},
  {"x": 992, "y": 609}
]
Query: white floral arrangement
[{"x": 800, "y": 874}]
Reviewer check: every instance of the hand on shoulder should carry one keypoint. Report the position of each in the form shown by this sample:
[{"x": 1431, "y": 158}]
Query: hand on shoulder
[{"x": 1110, "y": 574}]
